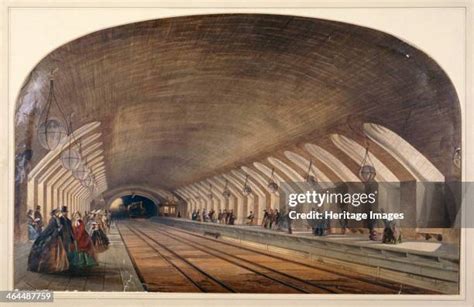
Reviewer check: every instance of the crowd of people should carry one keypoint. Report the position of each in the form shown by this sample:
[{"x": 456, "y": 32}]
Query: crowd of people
[
  {"x": 223, "y": 217},
  {"x": 67, "y": 244},
  {"x": 272, "y": 218}
]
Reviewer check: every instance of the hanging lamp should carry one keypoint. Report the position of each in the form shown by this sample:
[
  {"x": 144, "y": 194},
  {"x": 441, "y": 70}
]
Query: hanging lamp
[
  {"x": 71, "y": 154},
  {"x": 246, "y": 190},
  {"x": 210, "y": 192},
  {"x": 272, "y": 185},
  {"x": 367, "y": 170},
  {"x": 88, "y": 181},
  {"x": 51, "y": 127},
  {"x": 311, "y": 179},
  {"x": 81, "y": 172},
  {"x": 226, "y": 192}
]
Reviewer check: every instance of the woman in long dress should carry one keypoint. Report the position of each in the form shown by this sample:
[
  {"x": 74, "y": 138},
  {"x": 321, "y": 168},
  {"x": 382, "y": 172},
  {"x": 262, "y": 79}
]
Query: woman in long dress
[
  {"x": 48, "y": 254},
  {"x": 32, "y": 233},
  {"x": 99, "y": 238},
  {"x": 85, "y": 256}
]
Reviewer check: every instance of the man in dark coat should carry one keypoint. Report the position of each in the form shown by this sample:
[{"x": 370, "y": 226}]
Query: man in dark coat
[
  {"x": 38, "y": 218},
  {"x": 67, "y": 231}
]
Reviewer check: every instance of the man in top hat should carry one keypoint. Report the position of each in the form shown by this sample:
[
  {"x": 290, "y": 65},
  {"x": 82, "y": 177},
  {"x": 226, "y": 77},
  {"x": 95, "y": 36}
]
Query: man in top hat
[
  {"x": 67, "y": 231},
  {"x": 38, "y": 217}
]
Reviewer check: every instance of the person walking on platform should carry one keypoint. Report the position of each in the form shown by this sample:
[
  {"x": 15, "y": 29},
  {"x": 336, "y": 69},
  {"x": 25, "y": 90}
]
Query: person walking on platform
[
  {"x": 99, "y": 238},
  {"x": 271, "y": 218},
  {"x": 211, "y": 216},
  {"x": 38, "y": 217},
  {"x": 232, "y": 217},
  {"x": 265, "y": 218},
  {"x": 277, "y": 218},
  {"x": 32, "y": 232},
  {"x": 320, "y": 227},
  {"x": 67, "y": 232},
  {"x": 227, "y": 217},
  {"x": 250, "y": 218},
  {"x": 85, "y": 256},
  {"x": 224, "y": 217},
  {"x": 48, "y": 254},
  {"x": 219, "y": 216}
]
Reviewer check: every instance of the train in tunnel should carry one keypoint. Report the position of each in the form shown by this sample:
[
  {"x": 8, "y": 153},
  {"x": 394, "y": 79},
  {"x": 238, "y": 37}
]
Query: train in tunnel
[{"x": 136, "y": 210}]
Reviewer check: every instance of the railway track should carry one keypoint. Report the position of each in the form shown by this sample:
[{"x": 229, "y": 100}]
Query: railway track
[
  {"x": 210, "y": 265},
  {"x": 395, "y": 287}
]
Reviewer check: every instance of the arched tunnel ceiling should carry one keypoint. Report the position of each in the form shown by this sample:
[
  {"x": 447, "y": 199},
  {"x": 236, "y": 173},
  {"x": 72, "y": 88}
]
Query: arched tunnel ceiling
[{"x": 182, "y": 99}]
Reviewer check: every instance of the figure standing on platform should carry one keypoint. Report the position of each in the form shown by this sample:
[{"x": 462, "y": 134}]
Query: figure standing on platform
[
  {"x": 265, "y": 218},
  {"x": 277, "y": 219},
  {"x": 250, "y": 218},
  {"x": 224, "y": 217},
  {"x": 232, "y": 217},
  {"x": 99, "y": 238},
  {"x": 48, "y": 254},
  {"x": 67, "y": 232},
  {"x": 219, "y": 216},
  {"x": 211, "y": 215},
  {"x": 105, "y": 222},
  {"x": 320, "y": 226},
  {"x": 32, "y": 233},
  {"x": 85, "y": 256},
  {"x": 38, "y": 217},
  {"x": 271, "y": 218},
  {"x": 391, "y": 232}
]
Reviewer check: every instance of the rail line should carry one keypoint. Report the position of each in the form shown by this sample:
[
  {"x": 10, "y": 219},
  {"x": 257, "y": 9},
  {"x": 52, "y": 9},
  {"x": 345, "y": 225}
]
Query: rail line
[
  {"x": 248, "y": 266},
  {"x": 182, "y": 249},
  {"x": 395, "y": 287},
  {"x": 340, "y": 288},
  {"x": 202, "y": 288}
]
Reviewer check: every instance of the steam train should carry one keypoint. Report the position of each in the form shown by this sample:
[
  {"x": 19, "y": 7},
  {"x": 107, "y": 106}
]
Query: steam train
[{"x": 136, "y": 209}]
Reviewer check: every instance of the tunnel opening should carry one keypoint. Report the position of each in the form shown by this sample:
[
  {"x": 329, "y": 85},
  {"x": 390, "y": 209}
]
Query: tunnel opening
[{"x": 133, "y": 206}]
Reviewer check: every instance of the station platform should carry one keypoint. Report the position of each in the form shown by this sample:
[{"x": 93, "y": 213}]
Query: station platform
[
  {"x": 115, "y": 271},
  {"x": 425, "y": 264}
]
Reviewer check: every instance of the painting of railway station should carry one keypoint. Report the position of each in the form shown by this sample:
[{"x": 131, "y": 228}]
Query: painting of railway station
[{"x": 160, "y": 156}]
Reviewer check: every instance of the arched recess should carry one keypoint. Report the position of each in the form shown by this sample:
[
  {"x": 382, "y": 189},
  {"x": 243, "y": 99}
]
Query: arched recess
[
  {"x": 200, "y": 202},
  {"x": 50, "y": 185},
  {"x": 283, "y": 167},
  {"x": 191, "y": 204},
  {"x": 430, "y": 190},
  {"x": 217, "y": 198},
  {"x": 333, "y": 163},
  {"x": 388, "y": 197},
  {"x": 155, "y": 201},
  {"x": 266, "y": 172},
  {"x": 260, "y": 195},
  {"x": 203, "y": 195},
  {"x": 413, "y": 160},
  {"x": 216, "y": 192},
  {"x": 247, "y": 201},
  {"x": 357, "y": 153},
  {"x": 271, "y": 198},
  {"x": 303, "y": 164},
  {"x": 112, "y": 195},
  {"x": 236, "y": 200}
]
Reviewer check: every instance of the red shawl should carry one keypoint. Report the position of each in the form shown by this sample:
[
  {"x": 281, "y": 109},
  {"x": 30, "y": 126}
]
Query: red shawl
[{"x": 84, "y": 242}]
